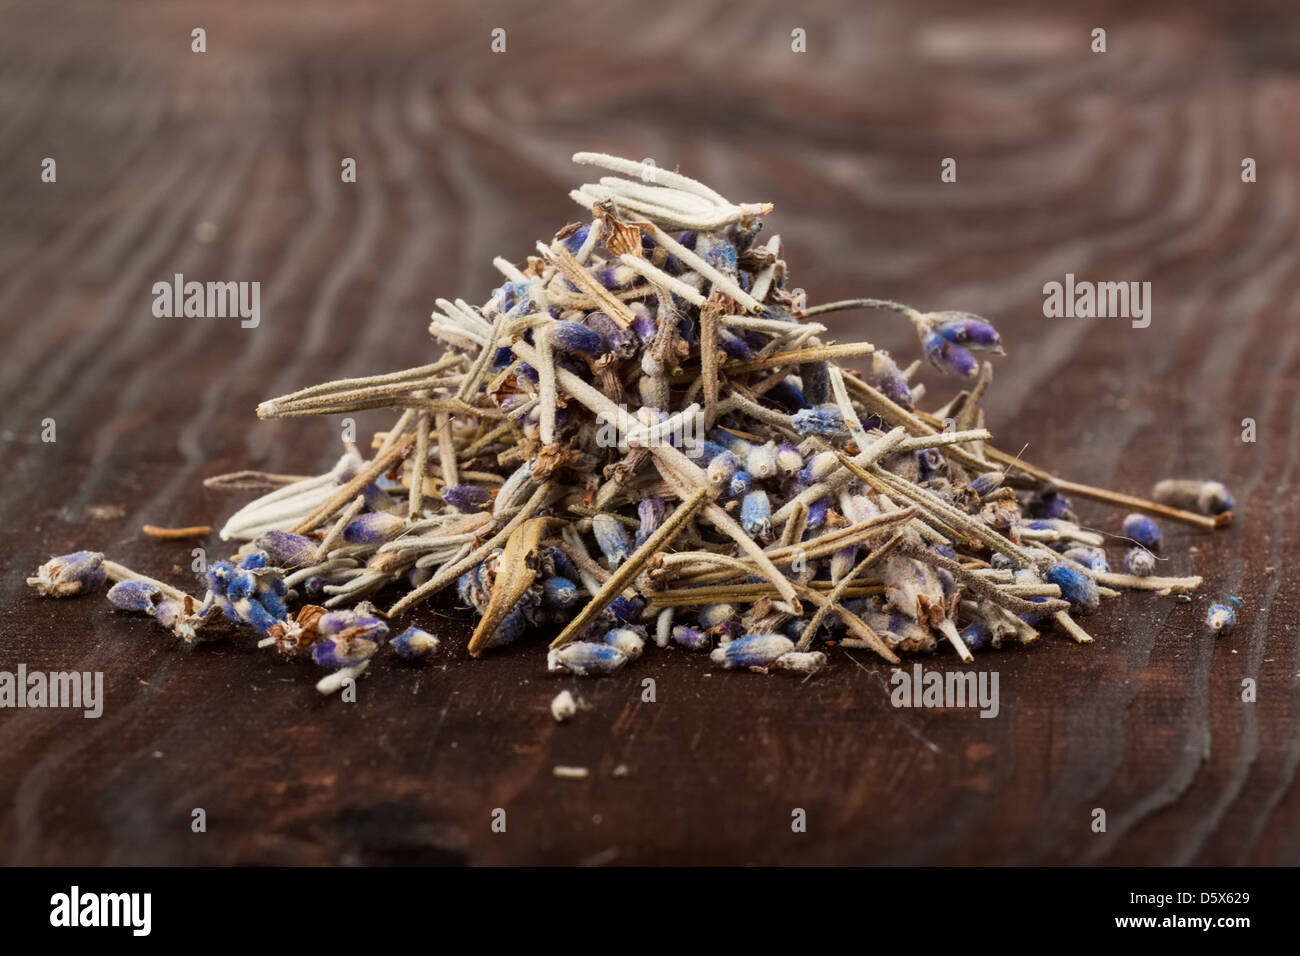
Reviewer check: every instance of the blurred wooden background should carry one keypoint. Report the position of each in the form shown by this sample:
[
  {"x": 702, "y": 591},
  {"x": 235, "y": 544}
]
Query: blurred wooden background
[{"x": 225, "y": 165}]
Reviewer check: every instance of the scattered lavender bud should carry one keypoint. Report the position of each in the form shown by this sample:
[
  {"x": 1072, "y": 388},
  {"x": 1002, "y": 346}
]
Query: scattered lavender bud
[
  {"x": 559, "y": 592},
  {"x": 976, "y": 636},
  {"x": 692, "y": 638},
  {"x": 68, "y": 574},
  {"x": 286, "y": 549},
  {"x": 986, "y": 483},
  {"x": 1094, "y": 559},
  {"x": 823, "y": 420},
  {"x": 965, "y": 329},
  {"x": 1140, "y": 562},
  {"x": 563, "y": 707},
  {"x": 585, "y": 659},
  {"x": 756, "y": 515},
  {"x": 1142, "y": 530},
  {"x": 752, "y": 650},
  {"x": 1221, "y": 618},
  {"x": 466, "y": 498},
  {"x": 889, "y": 380},
  {"x": 414, "y": 644},
  {"x": 947, "y": 356},
  {"x": 626, "y": 640},
  {"x": 576, "y": 338},
  {"x": 740, "y": 484},
  {"x": 650, "y": 512},
  {"x": 1207, "y": 497}
]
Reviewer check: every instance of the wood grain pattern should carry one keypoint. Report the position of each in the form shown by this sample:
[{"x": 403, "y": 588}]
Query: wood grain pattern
[{"x": 1122, "y": 166}]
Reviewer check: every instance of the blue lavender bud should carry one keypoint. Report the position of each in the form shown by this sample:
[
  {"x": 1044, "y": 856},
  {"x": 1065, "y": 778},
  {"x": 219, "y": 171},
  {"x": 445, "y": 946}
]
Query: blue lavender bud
[
  {"x": 692, "y": 638},
  {"x": 644, "y": 324},
  {"x": 585, "y": 659},
  {"x": 559, "y": 592},
  {"x": 286, "y": 549},
  {"x": 756, "y": 515},
  {"x": 717, "y": 252},
  {"x": 68, "y": 574},
  {"x": 253, "y": 561},
  {"x": 625, "y": 609},
  {"x": 714, "y": 615},
  {"x": 704, "y": 450},
  {"x": 1051, "y": 504},
  {"x": 788, "y": 394},
  {"x": 752, "y": 650},
  {"x": 1076, "y": 587},
  {"x": 1221, "y": 618},
  {"x": 527, "y": 373},
  {"x": 976, "y": 636},
  {"x": 240, "y": 584},
  {"x": 574, "y": 240},
  {"x": 612, "y": 539},
  {"x": 466, "y": 498},
  {"x": 650, "y": 511},
  {"x": 375, "y": 527},
  {"x": 817, "y": 513},
  {"x": 562, "y": 563},
  {"x": 252, "y": 613},
  {"x": 947, "y": 356},
  {"x": 414, "y": 644},
  {"x": 823, "y": 420},
  {"x": 971, "y": 331},
  {"x": 331, "y": 652},
  {"x": 1140, "y": 562},
  {"x": 134, "y": 596},
  {"x": 511, "y": 628},
  {"x": 740, "y": 484},
  {"x": 1143, "y": 530},
  {"x": 574, "y": 337}
]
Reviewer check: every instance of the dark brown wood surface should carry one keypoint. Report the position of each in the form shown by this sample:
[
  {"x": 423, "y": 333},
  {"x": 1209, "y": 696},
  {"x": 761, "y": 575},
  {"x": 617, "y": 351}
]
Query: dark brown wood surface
[{"x": 1118, "y": 166}]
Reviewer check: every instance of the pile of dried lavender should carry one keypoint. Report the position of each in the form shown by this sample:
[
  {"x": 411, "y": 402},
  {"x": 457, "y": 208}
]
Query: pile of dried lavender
[{"x": 641, "y": 432}]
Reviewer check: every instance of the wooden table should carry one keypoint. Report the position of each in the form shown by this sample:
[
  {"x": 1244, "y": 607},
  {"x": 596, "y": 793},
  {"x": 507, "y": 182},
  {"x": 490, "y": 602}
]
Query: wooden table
[{"x": 225, "y": 165}]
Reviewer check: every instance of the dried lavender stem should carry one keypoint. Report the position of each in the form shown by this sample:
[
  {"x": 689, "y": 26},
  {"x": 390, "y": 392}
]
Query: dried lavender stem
[
  {"x": 116, "y": 572},
  {"x": 837, "y": 593},
  {"x": 378, "y": 465}
]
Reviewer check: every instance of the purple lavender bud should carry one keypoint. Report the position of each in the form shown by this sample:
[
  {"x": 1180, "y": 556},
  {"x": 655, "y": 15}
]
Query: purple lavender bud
[
  {"x": 930, "y": 464},
  {"x": 67, "y": 574},
  {"x": 574, "y": 337},
  {"x": 1139, "y": 562},
  {"x": 286, "y": 549},
  {"x": 947, "y": 356},
  {"x": 756, "y": 515},
  {"x": 1050, "y": 503},
  {"x": 466, "y": 498},
  {"x": 365, "y": 625},
  {"x": 414, "y": 644},
  {"x": 986, "y": 483},
  {"x": 1076, "y": 586},
  {"x": 976, "y": 636},
  {"x": 644, "y": 324},
  {"x": 134, "y": 596},
  {"x": 651, "y": 513},
  {"x": 740, "y": 484},
  {"x": 612, "y": 539},
  {"x": 692, "y": 638},
  {"x": 376, "y": 527},
  {"x": 971, "y": 331},
  {"x": 627, "y": 640},
  {"x": 563, "y": 564},
  {"x": 585, "y": 659},
  {"x": 526, "y": 372},
  {"x": 559, "y": 592},
  {"x": 734, "y": 346},
  {"x": 823, "y": 420},
  {"x": 622, "y": 342},
  {"x": 752, "y": 650},
  {"x": 842, "y": 561},
  {"x": 377, "y": 499},
  {"x": 1143, "y": 530},
  {"x": 889, "y": 379},
  {"x": 1221, "y": 618}
]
